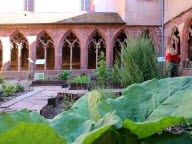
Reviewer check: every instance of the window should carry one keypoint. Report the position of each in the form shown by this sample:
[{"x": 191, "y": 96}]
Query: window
[{"x": 29, "y": 5}]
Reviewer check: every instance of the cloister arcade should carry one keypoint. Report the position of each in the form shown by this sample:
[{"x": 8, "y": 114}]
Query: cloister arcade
[{"x": 71, "y": 53}]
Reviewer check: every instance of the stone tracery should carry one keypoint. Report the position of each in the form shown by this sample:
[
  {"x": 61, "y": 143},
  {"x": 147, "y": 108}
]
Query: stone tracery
[
  {"x": 45, "y": 50},
  {"x": 96, "y": 42},
  {"x": 119, "y": 42},
  {"x": 71, "y": 52},
  {"x": 19, "y": 53}
]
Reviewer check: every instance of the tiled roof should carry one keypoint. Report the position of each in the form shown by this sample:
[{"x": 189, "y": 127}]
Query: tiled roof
[{"x": 60, "y": 18}]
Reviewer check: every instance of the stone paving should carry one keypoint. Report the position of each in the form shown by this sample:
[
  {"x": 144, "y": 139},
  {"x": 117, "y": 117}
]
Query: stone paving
[{"x": 37, "y": 99}]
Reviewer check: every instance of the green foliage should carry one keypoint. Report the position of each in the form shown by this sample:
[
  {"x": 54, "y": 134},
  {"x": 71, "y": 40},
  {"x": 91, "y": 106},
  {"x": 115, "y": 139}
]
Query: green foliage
[
  {"x": 8, "y": 90},
  {"x": 139, "y": 62},
  {"x": 115, "y": 76},
  {"x": 25, "y": 133},
  {"x": 64, "y": 75},
  {"x": 102, "y": 73},
  {"x": 136, "y": 117},
  {"x": 81, "y": 79},
  {"x": 2, "y": 79},
  {"x": 19, "y": 87},
  {"x": 50, "y": 79}
]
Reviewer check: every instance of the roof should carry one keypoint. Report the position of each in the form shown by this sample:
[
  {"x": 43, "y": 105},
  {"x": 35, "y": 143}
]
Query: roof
[{"x": 60, "y": 18}]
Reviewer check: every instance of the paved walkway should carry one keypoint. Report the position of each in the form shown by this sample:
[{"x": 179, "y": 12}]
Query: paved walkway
[
  {"x": 37, "y": 99},
  {"x": 33, "y": 101}
]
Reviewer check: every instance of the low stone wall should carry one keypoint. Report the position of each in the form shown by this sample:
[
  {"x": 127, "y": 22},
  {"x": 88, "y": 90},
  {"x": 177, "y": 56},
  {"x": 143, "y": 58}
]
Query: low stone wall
[{"x": 14, "y": 75}]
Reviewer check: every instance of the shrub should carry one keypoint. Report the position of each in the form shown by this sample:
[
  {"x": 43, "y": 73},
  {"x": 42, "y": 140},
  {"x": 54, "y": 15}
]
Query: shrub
[
  {"x": 115, "y": 76},
  {"x": 64, "y": 75},
  {"x": 81, "y": 79},
  {"x": 2, "y": 79},
  {"x": 19, "y": 87},
  {"x": 102, "y": 73},
  {"x": 138, "y": 61},
  {"x": 8, "y": 90}
]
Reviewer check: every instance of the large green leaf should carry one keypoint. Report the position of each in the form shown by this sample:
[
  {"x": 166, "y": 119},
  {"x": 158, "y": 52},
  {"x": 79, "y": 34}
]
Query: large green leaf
[
  {"x": 152, "y": 100},
  {"x": 10, "y": 120},
  {"x": 146, "y": 129},
  {"x": 31, "y": 134},
  {"x": 169, "y": 138}
]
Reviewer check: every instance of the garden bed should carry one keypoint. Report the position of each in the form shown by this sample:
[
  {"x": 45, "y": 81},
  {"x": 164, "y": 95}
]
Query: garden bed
[
  {"x": 85, "y": 86},
  {"x": 48, "y": 83}
]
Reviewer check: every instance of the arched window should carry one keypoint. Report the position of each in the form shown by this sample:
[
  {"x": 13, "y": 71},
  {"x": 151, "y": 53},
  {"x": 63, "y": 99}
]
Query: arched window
[
  {"x": 71, "y": 52},
  {"x": 1, "y": 54},
  {"x": 45, "y": 50},
  {"x": 190, "y": 43},
  {"x": 19, "y": 53},
  {"x": 175, "y": 41},
  {"x": 96, "y": 45},
  {"x": 119, "y": 42}
]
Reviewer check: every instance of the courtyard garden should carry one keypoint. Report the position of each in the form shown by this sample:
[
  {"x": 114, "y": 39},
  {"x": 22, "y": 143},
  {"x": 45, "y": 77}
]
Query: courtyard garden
[{"x": 150, "y": 109}]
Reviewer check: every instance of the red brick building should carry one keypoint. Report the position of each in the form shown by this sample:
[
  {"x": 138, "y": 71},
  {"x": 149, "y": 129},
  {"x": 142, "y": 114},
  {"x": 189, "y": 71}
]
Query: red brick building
[{"x": 68, "y": 40}]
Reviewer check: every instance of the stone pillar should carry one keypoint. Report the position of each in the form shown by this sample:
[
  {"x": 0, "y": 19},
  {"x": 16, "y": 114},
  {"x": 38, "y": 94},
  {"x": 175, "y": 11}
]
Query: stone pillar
[
  {"x": 184, "y": 51},
  {"x": 6, "y": 54},
  {"x": 71, "y": 57},
  {"x": 32, "y": 52},
  {"x": 109, "y": 56},
  {"x": 45, "y": 57},
  {"x": 84, "y": 55},
  {"x": 58, "y": 59},
  {"x": 19, "y": 46}
]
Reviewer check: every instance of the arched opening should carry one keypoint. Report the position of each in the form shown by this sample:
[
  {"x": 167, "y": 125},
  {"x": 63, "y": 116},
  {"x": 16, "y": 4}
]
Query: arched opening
[
  {"x": 96, "y": 45},
  {"x": 147, "y": 35},
  {"x": 1, "y": 54},
  {"x": 19, "y": 53},
  {"x": 119, "y": 42},
  {"x": 175, "y": 41},
  {"x": 190, "y": 43},
  {"x": 71, "y": 52},
  {"x": 45, "y": 50}
]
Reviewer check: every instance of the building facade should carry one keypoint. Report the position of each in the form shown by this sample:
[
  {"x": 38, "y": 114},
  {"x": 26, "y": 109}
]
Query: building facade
[{"x": 68, "y": 34}]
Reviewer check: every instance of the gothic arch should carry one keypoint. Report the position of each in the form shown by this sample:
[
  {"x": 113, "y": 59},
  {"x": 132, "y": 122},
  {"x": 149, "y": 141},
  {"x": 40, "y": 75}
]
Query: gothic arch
[
  {"x": 175, "y": 39},
  {"x": 45, "y": 49},
  {"x": 96, "y": 44},
  {"x": 17, "y": 32},
  {"x": 118, "y": 42},
  {"x": 70, "y": 47},
  {"x": 19, "y": 52},
  {"x": 153, "y": 36}
]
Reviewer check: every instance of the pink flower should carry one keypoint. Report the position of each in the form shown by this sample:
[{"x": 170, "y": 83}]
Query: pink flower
[{"x": 18, "y": 79}]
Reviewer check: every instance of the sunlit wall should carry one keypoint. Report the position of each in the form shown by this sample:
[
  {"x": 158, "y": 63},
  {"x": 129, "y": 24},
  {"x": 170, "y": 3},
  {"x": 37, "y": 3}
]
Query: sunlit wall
[
  {"x": 44, "y": 5},
  {"x": 11, "y": 5}
]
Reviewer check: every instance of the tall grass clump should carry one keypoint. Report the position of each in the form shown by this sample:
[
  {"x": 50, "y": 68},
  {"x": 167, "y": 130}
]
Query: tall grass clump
[{"x": 139, "y": 61}]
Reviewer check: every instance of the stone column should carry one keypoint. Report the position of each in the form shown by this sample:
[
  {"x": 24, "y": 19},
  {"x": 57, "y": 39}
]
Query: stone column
[
  {"x": 45, "y": 57},
  {"x": 71, "y": 57},
  {"x": 58, "y": 58},
  {"x": 109, "y": 56},
  {"x": 19, "y": 46},
  {"x": 84, "y": 55},
  {"x": 6, "y": 54},
  {"x": 32, "y": 52}
]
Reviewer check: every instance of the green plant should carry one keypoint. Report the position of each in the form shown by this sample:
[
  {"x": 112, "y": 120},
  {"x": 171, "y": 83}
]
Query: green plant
[
  {"x": 102, "y": 73},
  {"x": 8, "y": 90},
  {"x": 115, "y": 76},
  {"x": 81, "y": 79},
  {"x": 64, "y": 75},
  {"x": 140, "y": 116},
  {"x": 139, "y": 61},
  {"x": 19, "y": 87},
  {"x": 2, "y": 79}
]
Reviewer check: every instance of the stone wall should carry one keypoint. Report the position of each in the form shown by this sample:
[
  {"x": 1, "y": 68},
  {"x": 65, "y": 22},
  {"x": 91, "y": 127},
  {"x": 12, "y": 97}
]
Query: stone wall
[
  {"x": 83, "y": 33},
  {"x": 182, "y": 24}
]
